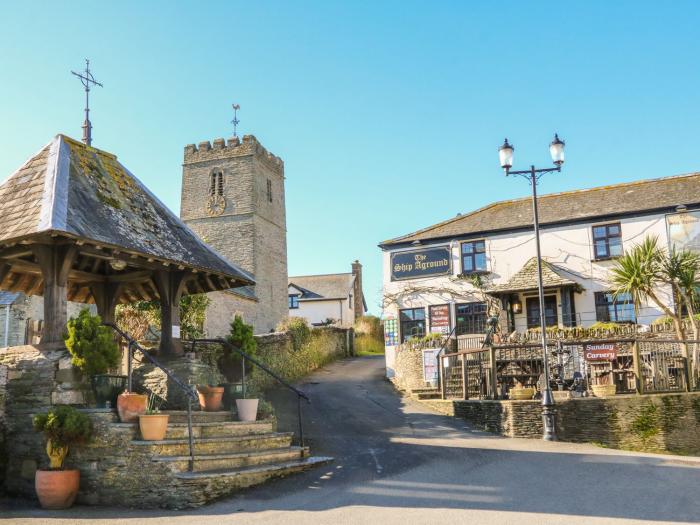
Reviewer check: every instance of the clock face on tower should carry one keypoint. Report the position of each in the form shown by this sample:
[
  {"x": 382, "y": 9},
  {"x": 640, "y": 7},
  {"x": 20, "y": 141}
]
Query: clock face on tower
[{"x": 216, "y": 205}]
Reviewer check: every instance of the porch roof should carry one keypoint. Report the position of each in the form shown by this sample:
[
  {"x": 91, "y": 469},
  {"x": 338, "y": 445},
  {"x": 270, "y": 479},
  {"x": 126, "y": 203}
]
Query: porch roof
[
  {"x": 525, "y": 279},
  {"x": 71, "y": 194}
]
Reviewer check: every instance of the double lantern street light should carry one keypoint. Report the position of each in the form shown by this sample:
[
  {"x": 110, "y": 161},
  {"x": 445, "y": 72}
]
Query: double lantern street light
[{"x": 505, "y": 154}]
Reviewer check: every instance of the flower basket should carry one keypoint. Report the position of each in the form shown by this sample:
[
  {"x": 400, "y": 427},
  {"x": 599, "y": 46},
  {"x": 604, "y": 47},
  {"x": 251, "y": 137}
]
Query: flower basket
[{"x": 521, "y": 393}]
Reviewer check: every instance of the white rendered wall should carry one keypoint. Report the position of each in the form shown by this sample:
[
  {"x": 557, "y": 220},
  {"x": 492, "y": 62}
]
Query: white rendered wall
[
  {"x": 318, "y": 311},
  {"x": 569, "y": 247}
]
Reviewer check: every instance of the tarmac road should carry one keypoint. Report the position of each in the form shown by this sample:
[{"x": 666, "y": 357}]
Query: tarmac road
[{"x": 398, "y": 463}]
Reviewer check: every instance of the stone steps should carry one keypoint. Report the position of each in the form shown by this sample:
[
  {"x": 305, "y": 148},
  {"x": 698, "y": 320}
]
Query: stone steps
[
  {"x": 215, "y": 445},
  {"x": 203, "y": 487},
  {"x": 180, "y": 416},
  {"x": 207, "y": 429},
  {"x": 210, "y": 462}
]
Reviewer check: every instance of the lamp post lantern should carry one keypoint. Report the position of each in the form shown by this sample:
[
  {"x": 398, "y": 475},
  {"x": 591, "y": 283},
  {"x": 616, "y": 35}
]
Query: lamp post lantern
[{"x": 505, "y": 154}]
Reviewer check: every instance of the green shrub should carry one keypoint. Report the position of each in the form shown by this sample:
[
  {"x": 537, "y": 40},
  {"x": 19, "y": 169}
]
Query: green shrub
[
  {"x": 368, "y": 345},
  {"x": 298, "y": 328},
  {"x": 91, "y": 345},
  {"x": 369, "y": 325},
  {"x": 64, "y": 426},
  {"x": 601, "y": 325},
  {"x": 240, "y": 336}
]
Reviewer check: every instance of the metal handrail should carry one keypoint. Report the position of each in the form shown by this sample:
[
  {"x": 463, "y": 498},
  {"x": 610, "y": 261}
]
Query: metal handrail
[
  {"x": 189, "y": 391},
  {"x": 300, "y": 394}
]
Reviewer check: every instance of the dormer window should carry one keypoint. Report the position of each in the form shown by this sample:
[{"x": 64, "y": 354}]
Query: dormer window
[{"x": 216, "y": 183}]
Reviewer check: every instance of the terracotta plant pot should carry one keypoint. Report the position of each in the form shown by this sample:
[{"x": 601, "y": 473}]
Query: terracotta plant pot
[
  {"x": 153, "y": 426},
  {"x": 521, "y": 393},
  {"x": 247, "y": 409},
  {"x": 210, "y": 397},
  {"x": 57, "y": 489},
  {"x": 130, "y": 406},
  {"x": 604, "y": 390}
]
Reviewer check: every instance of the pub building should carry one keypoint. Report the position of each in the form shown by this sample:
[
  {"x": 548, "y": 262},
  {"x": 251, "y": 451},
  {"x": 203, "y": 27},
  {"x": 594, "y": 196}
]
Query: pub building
[{"x": 428, "y": 275}]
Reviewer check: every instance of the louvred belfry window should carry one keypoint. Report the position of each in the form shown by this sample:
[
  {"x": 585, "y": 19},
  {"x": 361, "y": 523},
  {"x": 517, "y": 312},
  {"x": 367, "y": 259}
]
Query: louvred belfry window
[{"x": 216, "y": 184}]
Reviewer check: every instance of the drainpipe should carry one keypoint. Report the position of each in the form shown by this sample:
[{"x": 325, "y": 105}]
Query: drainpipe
[{"x": 7, "y": 325}]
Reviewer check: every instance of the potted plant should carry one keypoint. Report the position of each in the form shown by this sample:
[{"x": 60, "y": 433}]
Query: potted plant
[
  {"x": 520, "y": 392},
  {"x": 231, "y": 365},
  {"x": 605, "y": 386},
  {"x": 94, "y": 352},
  {"x": 210, "y": 393},
  {"x": 62, "y": 426},
  {"x": 131, "y": 405},
  {"x": 152, "y": 423}
]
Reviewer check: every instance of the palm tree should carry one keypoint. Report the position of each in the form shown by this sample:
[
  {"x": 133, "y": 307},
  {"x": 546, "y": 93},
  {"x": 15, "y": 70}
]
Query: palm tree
[
  {"x": 680, "y": 269},
  {"x": 639, "y": 272}
]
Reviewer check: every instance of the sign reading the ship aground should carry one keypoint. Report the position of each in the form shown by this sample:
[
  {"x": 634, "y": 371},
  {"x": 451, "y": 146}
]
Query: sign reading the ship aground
[
  {"x": 600, "y": 351},
  {"x": 420, "y": 263}
]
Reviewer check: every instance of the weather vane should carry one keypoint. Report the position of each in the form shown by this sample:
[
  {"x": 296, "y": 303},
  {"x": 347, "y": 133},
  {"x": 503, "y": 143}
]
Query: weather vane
[
  {"x": 87, "y": 79},
  {"x": 235, "y": 120}
]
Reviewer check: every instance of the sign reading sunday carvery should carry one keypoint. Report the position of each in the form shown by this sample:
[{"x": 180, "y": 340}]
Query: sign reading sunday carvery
[{"x": 600, "y": 351}]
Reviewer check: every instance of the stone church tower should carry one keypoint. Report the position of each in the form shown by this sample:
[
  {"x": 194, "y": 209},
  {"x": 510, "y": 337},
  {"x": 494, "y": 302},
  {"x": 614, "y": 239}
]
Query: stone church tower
[{"x": 233, "y": 198}]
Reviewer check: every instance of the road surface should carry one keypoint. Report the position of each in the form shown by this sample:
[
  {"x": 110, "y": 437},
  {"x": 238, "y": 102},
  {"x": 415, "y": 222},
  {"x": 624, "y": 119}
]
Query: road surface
[{"x": 398, "y": 463}]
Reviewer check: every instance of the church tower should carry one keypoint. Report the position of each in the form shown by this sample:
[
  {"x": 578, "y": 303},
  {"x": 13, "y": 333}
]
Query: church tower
[{"x": 233, "y": 198}]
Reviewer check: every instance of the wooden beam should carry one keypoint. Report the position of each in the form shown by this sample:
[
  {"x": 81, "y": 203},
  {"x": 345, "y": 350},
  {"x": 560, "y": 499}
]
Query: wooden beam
[
  {"x": 4, "y": 271},
  {"x": 96, "y": 265},
  {"x": 131, "y": 277},
  {"x": 144, "y": 293},
  {"x": 210, "y": 284},
  {"x": 55, "y": 263},
  {"x": 15, "y": 251},
  {"x": 35, "y": 286},
  {"x": 73, "y": 275}
]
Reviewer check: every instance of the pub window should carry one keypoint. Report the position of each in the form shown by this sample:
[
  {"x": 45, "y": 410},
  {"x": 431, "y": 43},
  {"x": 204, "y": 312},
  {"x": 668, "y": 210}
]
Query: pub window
[
  {"x": 412, "y": 323},
  {"x": 269, "y": 190},
  {"x": 607, "y": 241},
  {"x": 293, "y": 302},
  {"x": 216, "y": 183},
  {"x": 473, "y": 257},
  {"x": 551, "y": 317},
  {"x": 471, "y": 318},
  {"x": 614, "y": 309}
]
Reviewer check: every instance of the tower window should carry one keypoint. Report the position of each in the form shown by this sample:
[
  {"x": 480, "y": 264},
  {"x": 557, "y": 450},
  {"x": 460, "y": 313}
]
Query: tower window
[
  {"x": 269, "y": 190},
  {"x": 216, "y": 183}
]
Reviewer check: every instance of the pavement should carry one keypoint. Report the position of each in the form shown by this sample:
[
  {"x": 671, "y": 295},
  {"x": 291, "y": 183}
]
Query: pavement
[{"x": 396, "y": 462}]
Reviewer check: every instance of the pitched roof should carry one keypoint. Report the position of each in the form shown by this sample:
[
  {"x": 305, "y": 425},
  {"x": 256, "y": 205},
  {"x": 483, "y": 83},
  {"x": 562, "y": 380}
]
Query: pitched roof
[
  {"x": 526, "y": 278},
  {"x": 331, "y": 286},
  {"x": 86, "y": 193},
  {"x": 633, "y": 197}
]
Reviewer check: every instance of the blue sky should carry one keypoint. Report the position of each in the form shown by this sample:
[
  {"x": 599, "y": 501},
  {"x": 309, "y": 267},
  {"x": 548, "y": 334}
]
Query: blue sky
[{"x": 388, "y": 115}]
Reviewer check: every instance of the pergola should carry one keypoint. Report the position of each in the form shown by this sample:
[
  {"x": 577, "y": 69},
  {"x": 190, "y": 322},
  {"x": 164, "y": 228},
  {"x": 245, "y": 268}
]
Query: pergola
[{"x": 76, "y": 225}]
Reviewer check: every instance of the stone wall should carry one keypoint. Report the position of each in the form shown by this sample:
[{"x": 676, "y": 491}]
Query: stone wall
[
  {"x": 32, "y": 378},
  {"x": 276, "y": 351},
  {"x": 650, "y": 423},
  {"x": 408, "y": 368}
]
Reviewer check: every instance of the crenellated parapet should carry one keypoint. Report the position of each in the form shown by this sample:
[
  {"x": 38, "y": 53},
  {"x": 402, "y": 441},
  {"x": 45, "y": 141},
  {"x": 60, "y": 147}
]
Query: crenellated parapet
[{"x": 234, "y": 147}]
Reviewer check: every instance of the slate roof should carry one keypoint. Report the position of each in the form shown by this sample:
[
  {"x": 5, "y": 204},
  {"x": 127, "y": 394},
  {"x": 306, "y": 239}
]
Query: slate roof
[
  {"x": 634, "y": 197},
  {"x": 331, "y": 286},
  {"x": 82, "y": 192},
  {"x": 526, "y": 278}
]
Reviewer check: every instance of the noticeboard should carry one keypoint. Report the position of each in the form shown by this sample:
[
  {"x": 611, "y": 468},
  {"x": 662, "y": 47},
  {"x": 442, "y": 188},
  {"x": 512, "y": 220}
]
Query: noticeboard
[
  {"x": 439, "y": 318},
  {"x": 391, "y": 331},
  {"x": 430, "y": 365}
]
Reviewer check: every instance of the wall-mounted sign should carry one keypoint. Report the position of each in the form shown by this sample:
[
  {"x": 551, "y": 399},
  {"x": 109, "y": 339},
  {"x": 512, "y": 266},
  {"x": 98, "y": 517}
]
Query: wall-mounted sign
[
  {"x": 600, "y": 351},
  {"x": 684, "y": 230},
  {"x": 176, "y": 331},
  {"x": 439, "y": 319},
  {"x": 420, "y": 263},
  {"x": 391, "y": 331},
  {"x": 430, "y": 365}
]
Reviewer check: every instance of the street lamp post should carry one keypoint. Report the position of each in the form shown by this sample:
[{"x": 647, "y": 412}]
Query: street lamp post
[{"x": 505, "y": 154}]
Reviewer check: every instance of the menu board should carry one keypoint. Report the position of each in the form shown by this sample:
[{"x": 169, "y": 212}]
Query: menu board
[
  {"x": 391, "y": 331},
  {"x": 440, "y": 319}
]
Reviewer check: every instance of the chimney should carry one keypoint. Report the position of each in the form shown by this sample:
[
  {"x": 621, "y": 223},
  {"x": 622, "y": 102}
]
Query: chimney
[{"x": 358, "y": 305}]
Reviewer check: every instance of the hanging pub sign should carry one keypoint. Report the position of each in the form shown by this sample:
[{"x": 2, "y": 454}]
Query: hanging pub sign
[
  {"x": 420, "y": 263},
  {"x": 439, "y": 319},
  {"x": 600, "y": 351}
]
